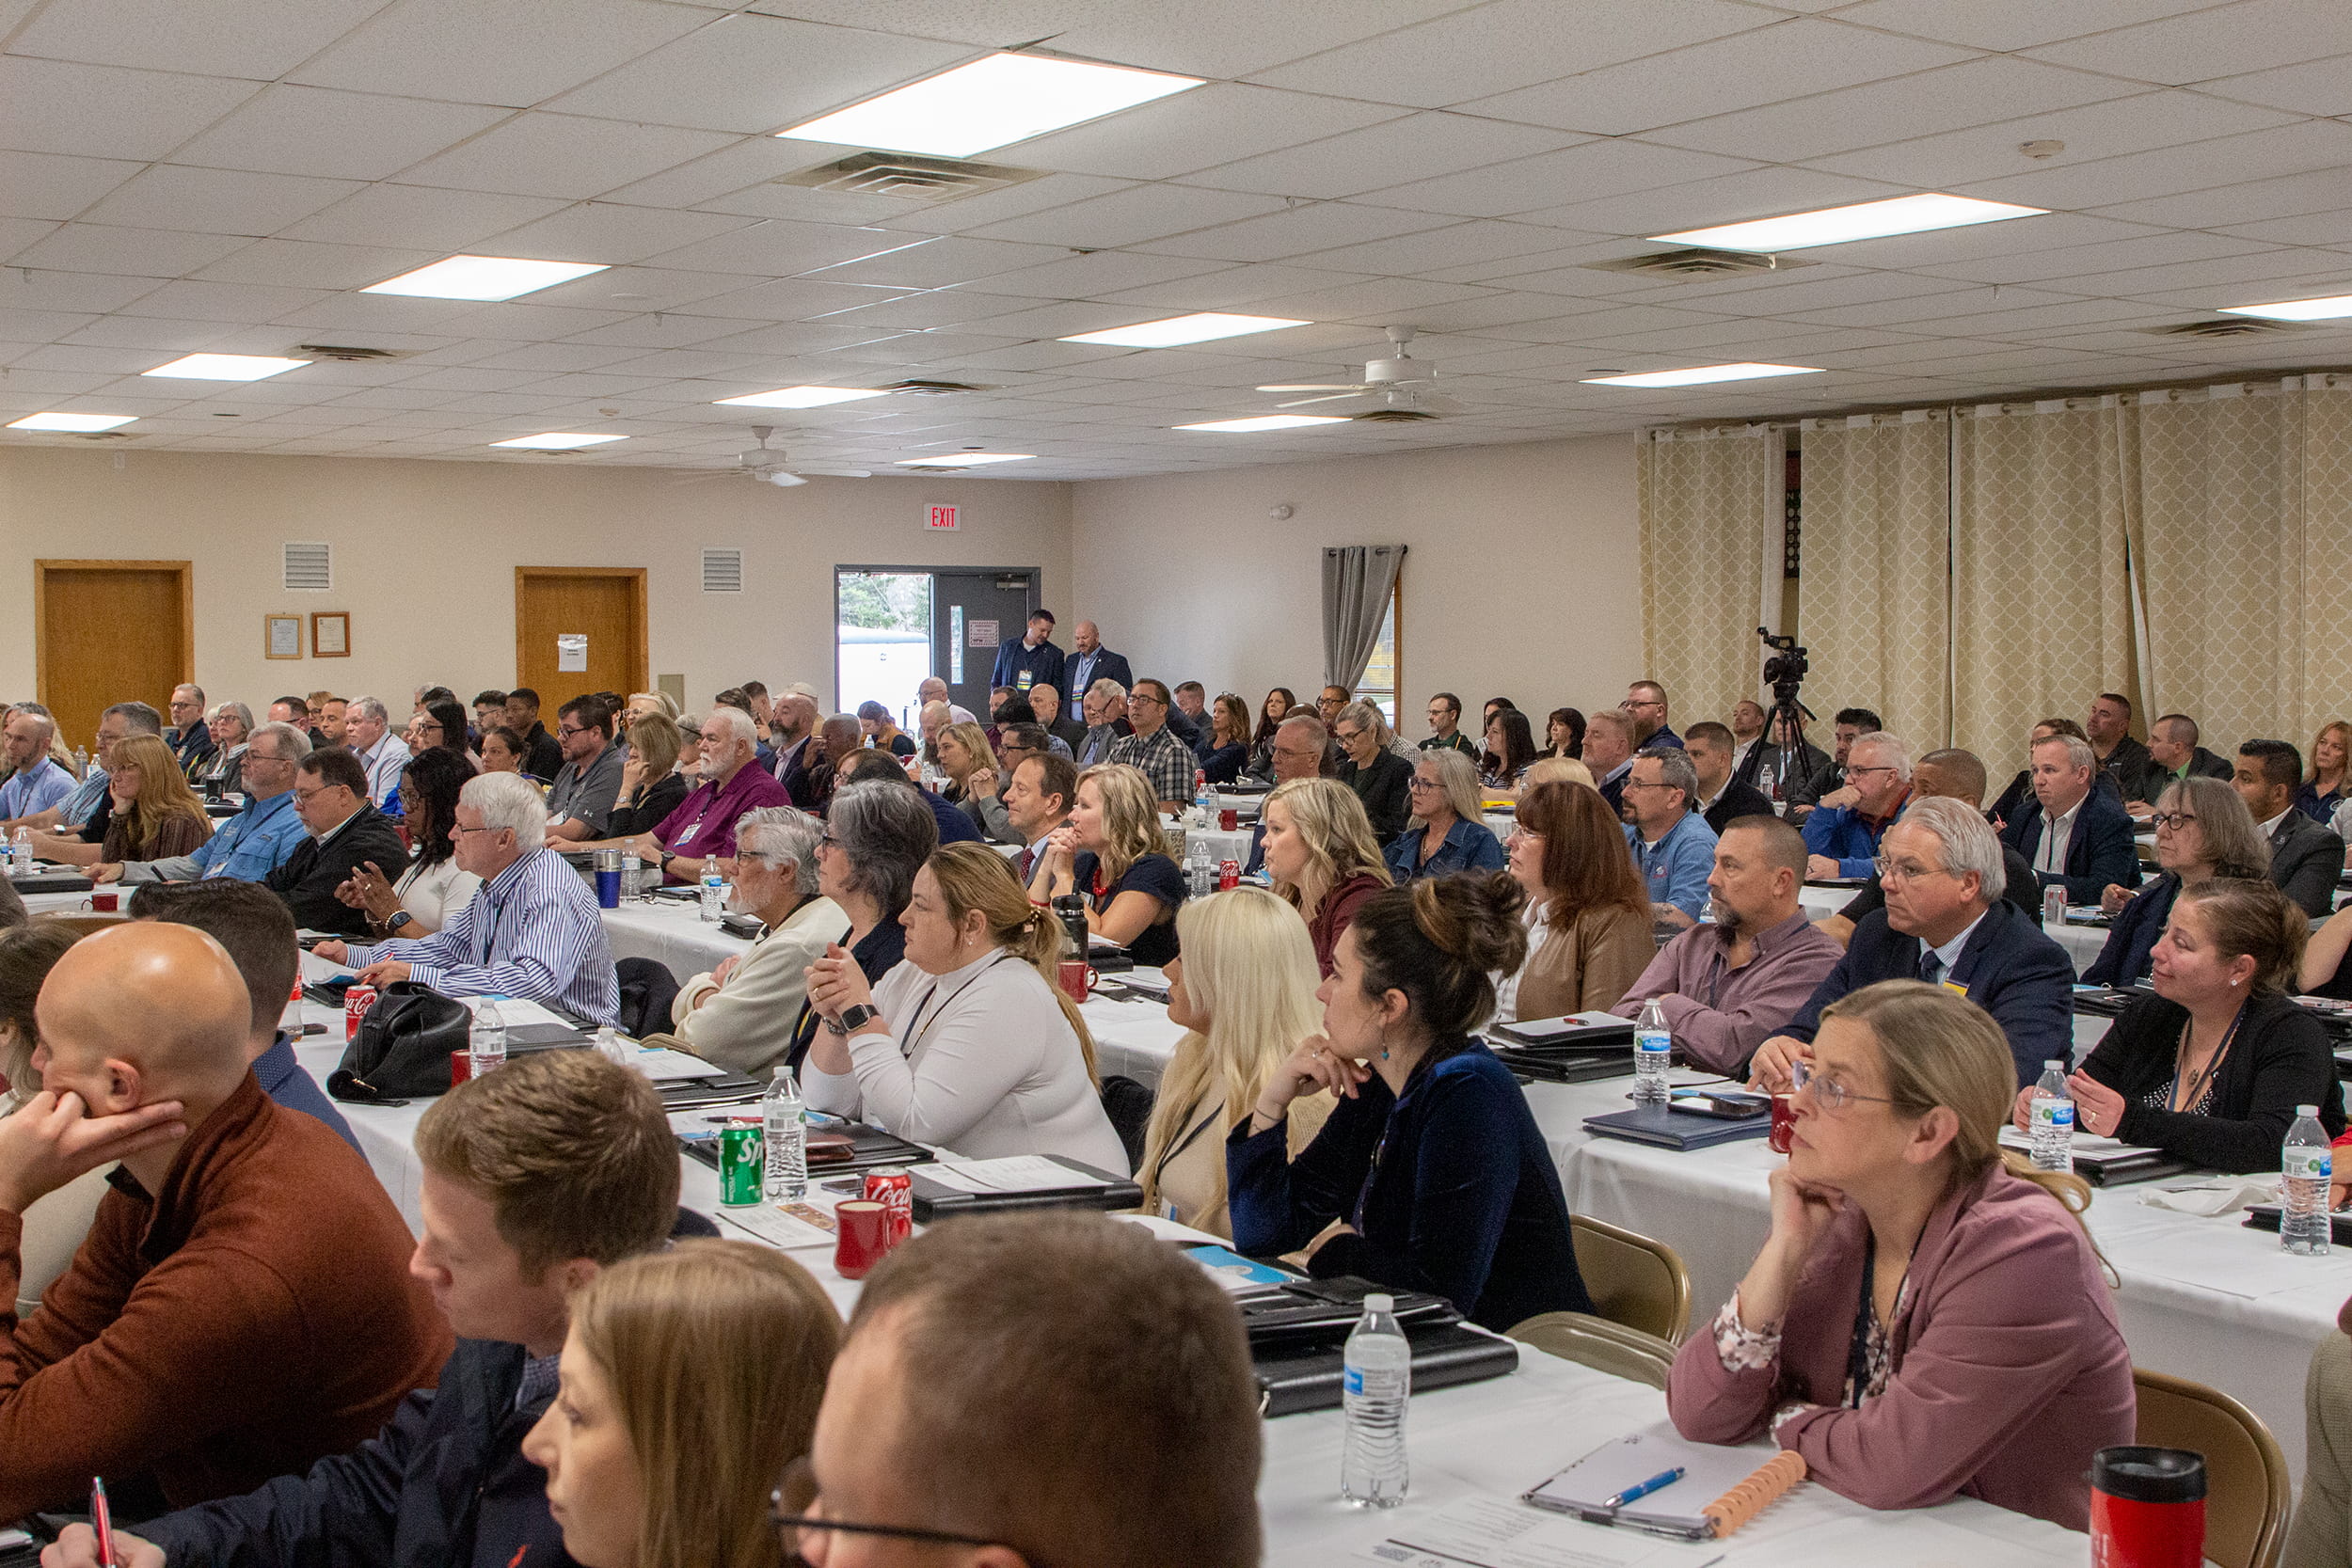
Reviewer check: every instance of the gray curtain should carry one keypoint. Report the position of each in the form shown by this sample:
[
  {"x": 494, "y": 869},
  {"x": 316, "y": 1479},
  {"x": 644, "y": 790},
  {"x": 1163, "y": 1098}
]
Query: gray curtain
[{"x": 1358, "y": 580}]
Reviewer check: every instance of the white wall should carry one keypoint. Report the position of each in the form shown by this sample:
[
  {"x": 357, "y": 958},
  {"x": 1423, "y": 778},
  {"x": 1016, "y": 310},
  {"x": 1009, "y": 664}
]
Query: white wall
[
  {"x": 1522, "y": 576},
  {"x": 425, "y": 554}
]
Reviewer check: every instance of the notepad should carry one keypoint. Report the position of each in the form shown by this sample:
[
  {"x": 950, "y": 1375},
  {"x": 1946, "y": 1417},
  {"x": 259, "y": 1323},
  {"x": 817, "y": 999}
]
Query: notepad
[
  {"x": 1721, "y": 1488},
  {"x": 1014, "y": 1173}
]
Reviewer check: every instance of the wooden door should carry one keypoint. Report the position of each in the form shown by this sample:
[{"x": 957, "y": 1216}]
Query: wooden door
[
  {"x": 604, "y": 604},
  {"x": 110, "y": 631}
]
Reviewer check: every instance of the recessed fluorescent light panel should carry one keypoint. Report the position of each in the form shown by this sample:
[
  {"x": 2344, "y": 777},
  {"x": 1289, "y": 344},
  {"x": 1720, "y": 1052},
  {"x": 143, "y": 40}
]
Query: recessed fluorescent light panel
[
  {"x": 1264, "y": 421},
  {"x": 966, "y": 459},
  {"x": 1201, "y": 327},
  {"x": 1866, "y": 221},
  {"x": 83, "y": 424},
  {"x": 800, "y": 397},
  {"x": 556, "y": 440},
  {"x": 227, "y": 367},
  {"x": 1699, "y": 376},
  {"x": 483, "y": 277},
  {"x": 990, "y": 102},
  {"x": 2297, "y": 309}
]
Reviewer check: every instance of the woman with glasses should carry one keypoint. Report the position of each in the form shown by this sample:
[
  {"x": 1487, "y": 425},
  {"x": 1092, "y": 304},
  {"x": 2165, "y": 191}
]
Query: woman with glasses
[
  {"x": 877, "y": 835},
  {"x": 2213, "y": 1065},
  {"x": 1228, "y": 745},
  {"x": 434, "y": 887},
  {"x": 1321, "y": 858},
  {"x": 1430, "y": 1160},
  {"x": 231, "y": 729},
  {"x": 156, "y": 815},
  {"x": 1447, "y": 834},
  {"x": 1381, "y": 779},
  {"x": 1927, "y": 1317},
  {"x": 440, "y": 723},
  {"x": 689, "y": 1380},
  {"x": 2203, "y": 831},
  {"x": 1588, "y": 920}
]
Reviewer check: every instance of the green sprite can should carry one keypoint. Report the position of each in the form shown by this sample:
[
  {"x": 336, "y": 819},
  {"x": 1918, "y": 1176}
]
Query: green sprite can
[{"x": 741, "y": 1163}]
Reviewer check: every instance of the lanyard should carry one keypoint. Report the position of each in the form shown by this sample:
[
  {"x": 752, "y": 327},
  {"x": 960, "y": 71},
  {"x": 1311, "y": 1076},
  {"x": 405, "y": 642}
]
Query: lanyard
[
  {"x": 922, "y": 1024},
  {"x": 1215, "y": 1109},
  {"x": 2213, "y": 1065}
]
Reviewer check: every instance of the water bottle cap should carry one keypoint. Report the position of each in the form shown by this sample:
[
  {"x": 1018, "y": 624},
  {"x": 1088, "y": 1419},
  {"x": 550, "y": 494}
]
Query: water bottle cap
[
  {"x": 2058, "y": 1065},
  {"x": 2307, "y": 1111},
  {"x": 1379, "y": 1301}
]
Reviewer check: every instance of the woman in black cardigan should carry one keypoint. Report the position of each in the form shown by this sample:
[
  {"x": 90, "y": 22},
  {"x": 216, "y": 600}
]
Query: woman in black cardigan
[{"x": 2213, "y": 1065}]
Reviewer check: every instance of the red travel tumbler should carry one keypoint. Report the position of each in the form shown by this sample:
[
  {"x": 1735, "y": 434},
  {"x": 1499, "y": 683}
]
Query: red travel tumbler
[{"x": 2147, "y": 1507}]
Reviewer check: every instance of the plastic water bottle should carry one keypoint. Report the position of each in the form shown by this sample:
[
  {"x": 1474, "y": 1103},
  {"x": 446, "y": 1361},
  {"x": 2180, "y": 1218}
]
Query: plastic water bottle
[
  {"x": 486, "y": 1044},
  {"x": 1653, "y": 1053},
  {"x": 785, "y": 1135},
  {"x": 2051, "y": 1120},
  {"x": 1203, "y": 798},
  {"x": 609, "y": 1045},
  {"x": 81, "y": 763},
  {"x": 1199, "y": 869},
  {"x": 632, "y": 874},
  {"x": 21, "y": 853},
  {"x": 714, "y": 902},
  {"x": 1376, "y": 1382},
  {"x": 2307, "y": 1163}
]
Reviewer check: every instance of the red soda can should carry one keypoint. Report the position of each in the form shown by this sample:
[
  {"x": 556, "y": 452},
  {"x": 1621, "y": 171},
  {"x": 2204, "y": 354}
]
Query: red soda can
[
  {"x": 1227, "y": 875},
  {"x": 893, "y": 1189},
  {"x": 357, "y": 1001}
]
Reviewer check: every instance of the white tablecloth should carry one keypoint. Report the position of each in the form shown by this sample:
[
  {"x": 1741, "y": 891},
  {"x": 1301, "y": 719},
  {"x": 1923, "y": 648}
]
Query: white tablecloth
[{"x": 672, "y": 931}]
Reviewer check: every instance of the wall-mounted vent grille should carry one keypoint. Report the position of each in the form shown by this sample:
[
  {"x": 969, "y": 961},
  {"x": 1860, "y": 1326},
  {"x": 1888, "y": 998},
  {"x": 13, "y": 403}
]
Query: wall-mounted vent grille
[
  {"x": 722, "y": 571},
  {"x": 1694, "y": 263},
  {"x": 908, "y": 177},
  {"x": 310, "y": 568}
]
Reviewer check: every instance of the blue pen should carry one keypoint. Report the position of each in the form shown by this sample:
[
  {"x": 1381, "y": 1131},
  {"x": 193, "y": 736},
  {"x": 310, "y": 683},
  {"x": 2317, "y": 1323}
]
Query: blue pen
[{"x": 1658, "y": 1482}]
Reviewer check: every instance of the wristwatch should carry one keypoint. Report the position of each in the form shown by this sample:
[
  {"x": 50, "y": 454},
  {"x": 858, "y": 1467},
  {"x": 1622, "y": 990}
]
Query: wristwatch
[
  {"x": 400, "y": 918},
  {"x": 853, "y": 1018}
]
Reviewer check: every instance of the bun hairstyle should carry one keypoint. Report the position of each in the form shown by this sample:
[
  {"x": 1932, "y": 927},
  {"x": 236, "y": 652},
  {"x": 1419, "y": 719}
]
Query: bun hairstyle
[
  {"x": 2253, "y": 919},
  {"x": 1440, "y": 941}
]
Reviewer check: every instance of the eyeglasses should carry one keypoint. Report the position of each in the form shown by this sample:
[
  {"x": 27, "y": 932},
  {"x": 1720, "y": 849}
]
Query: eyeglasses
[
  {"x": 1828, "y": 1093},
  {"x": 1907, "y": 871},
  {"x": 797, "y": 1492},
  {"x": 1649, "y": 783},
  {"x": 2173, "y": 819},
  {"x": 571, "y": 729},
  {"x": 1856, "y": 773},
  {"x": 1420, "y": 783},
  {"x": 428, "y": 727},
  {"x": 460, "y": 828},
  {"x": 1347, "y": 737}
]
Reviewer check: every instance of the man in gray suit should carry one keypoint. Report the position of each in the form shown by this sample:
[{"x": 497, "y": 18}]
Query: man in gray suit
[{"x": 2305, "y": 857}]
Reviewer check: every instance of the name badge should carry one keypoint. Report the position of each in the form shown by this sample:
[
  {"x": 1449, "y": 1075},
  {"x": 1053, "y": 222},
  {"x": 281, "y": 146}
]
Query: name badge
[{"x": 1955, "y": 987}]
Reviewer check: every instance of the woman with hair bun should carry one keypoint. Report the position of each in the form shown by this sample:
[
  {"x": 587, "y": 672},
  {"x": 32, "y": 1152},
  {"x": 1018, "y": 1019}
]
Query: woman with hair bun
[{"x": 1430, "y": 1159}]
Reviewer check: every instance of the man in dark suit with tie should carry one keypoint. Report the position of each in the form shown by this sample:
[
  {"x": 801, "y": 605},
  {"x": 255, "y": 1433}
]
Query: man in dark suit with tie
[
  {"x": 1947, "y": 923},
  {"x": 1089, "y": 662},
  {"x": 346, "y": 833},
  {"x": 1038, "y": 798},
  {"x": 2072, "y": 835},
  {"x": 2306, "y": 859}
]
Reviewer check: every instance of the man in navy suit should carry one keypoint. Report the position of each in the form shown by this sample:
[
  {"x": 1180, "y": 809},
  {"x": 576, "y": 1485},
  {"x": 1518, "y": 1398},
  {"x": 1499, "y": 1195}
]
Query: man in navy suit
[
  {"x": 2073, "y": 835},
  {"x": 1032, "y": 661},
  {"x": 1089, "y": 662},
  {"x": 1947, "y": 923}
]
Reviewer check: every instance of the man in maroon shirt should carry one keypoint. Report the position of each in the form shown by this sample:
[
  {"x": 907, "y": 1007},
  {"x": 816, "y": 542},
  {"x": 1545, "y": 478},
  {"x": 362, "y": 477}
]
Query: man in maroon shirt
[{"x": 703, "y": 827}]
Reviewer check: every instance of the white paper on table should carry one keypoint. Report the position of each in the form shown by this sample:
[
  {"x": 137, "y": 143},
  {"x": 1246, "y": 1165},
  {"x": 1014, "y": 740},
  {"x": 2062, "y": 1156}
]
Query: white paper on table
[
  {"x": 1170, "y": 1231},
  {"x": 1496, "y": 1532},
  {"x": 703, "y": 1125},
  {"x": 670, "y": 1067},
  {"x": 1015, "y": 1173},
  {"x": 517, "y": 1012},
  {"x": 774, "y": 1226}
]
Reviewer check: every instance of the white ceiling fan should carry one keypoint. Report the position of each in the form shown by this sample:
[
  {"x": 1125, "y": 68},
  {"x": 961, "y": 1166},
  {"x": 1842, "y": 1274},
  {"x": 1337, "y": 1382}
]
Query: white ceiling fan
[
  {"x": 770, "y": 466},
  {"x": 1400, "y": 387}
]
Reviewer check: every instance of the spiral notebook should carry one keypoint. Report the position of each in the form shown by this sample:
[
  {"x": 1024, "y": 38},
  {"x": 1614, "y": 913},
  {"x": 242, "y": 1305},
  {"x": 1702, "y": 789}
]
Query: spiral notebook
[{"x": 1720, "y": 1489}]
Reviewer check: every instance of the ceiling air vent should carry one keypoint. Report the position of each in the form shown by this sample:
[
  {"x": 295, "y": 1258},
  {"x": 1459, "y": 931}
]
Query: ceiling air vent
[
  {"x": 2232, "y": 326},
  {"x": 722, "y": 571},
  {"x": 908, "y": 177},
  {"x": 349, "y": 354},
  {"x": 1699, "y": 264},
  {"x": 937, "y": 389},
  {"x": 310, "y": 568},
  {"x": 1393, "y": 415}
]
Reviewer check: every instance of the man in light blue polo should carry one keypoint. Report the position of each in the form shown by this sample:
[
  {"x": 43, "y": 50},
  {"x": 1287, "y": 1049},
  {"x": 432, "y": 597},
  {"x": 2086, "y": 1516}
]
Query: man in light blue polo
[
  {"x": 37, "y": 783},
  {"x": 1672, "y": 846},
  {"x": 255, "y": 842}
]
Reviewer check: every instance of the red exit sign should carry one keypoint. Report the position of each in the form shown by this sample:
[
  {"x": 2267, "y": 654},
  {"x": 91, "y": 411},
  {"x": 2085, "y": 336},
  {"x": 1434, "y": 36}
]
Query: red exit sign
[{"x": 941, "y": 518}]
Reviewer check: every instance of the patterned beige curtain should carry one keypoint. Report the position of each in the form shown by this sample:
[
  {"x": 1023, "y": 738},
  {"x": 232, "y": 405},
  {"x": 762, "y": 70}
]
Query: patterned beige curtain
[
  {"x": 2042, "y": 596},
  {"x": 2324, "y": 485},
  {"x": 1876, "y": 568},
  {"x": 1711, "y": 518}
]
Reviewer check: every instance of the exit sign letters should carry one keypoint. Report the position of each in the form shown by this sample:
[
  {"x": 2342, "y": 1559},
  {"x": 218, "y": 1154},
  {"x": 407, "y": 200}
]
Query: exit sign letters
[{"x": 941, "y": 519}]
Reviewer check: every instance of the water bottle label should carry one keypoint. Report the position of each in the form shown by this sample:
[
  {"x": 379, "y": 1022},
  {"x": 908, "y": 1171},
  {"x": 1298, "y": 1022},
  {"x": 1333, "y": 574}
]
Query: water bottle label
[
  {"x": 2053, "y": 1113},
  {"x": 2309, "y": 1164},
  {"x": 1354, "y": 1379}
]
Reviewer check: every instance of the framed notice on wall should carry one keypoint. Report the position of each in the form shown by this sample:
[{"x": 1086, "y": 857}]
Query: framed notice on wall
[
  {"x": 330, "y": 634},
  {"x": 281, "y": 637}
]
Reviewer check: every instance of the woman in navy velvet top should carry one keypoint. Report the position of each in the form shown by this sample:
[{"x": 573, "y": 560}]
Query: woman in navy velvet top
[{"x": 1431, "y": 1157}]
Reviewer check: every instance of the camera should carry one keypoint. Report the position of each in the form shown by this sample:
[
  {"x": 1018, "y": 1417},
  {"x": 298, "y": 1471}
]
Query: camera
[{"x": 1784, "y": 671}]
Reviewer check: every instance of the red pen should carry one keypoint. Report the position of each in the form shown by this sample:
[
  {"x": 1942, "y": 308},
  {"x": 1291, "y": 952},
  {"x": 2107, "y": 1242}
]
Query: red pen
[{"x": 103, "y": 1520}]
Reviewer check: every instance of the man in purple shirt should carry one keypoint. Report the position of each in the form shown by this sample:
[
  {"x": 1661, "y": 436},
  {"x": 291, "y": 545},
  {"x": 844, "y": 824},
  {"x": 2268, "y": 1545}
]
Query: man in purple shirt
[
  {"x": 1726, "y": 987},
  {"x": 703, "y": 827}
]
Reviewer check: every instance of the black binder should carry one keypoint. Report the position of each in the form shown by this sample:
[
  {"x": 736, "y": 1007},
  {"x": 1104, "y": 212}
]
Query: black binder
[
  {"x": 935, "y": 1202},
  {"x": 57, "y": 879},
  {"x": 870, "y": 1148},
  {"x": 1664, "y": 1126}
]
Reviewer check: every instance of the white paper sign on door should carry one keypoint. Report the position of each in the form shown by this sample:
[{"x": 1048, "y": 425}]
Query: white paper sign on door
[{"x": 571, "y": 652}]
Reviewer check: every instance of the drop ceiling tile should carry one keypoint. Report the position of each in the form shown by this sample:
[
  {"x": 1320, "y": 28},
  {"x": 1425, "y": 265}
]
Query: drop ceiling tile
[
  {"x": 105, "y": 112},
  {"x": 1947, "y": 99},
  {"x": 779, "y": 247},
  {"x": 48, "y": 185},
  {"x": 2226, "y": 40},
  {"x": 167, "y": 339},
  {"x": 515, "y": 52},
  {"x": 372, "y": 313},
  {"x": 40, "y": 327},
  {"x": 1040, "y": 356},
  {"x": 643, "y": 288},
  {"x": 565, "y": 155},
  {"x": 1131, "y": 217},
  {"x": 1315, "y": 226},
  {"x": 1452, "y": 245},
  {"x": 753, "y": 74},
  {"x": 2311, "y": 88},
  {"x": 1175, "y": 136},
  {"x": 405, "y": 215},
  {"x": 2253, "y": 202},
  {"x": 938, "y": 263},
  {"x": 257, "y": 39},
  {"x": 2223, "y": 280},
  {"x": 786, "y": 337},
  {"x": 2004, "y": 24},
  {"x": 1396, "y": 152},
  {"x": 1942, "y": 252},
  {"x": 1508, "y": 45},
  {"x": 138, "y": 252},
  {"x": 24, "y": 288},
  {"x": 968, "y": 214},
  {"x": 306, "y": 265},
  {"x": 806, "y": 205},
  {"x": 2330, "y": 229},
  {"x": 17, "y": 234},
  {"x": 916, "y": 350},
  {"x": 2149, "y": 180},
  {"x": 217, "y": 201},
  {"x": 661, "y": 330},
  {"x": 1376, "y": 296},
  {"x": 2138, "y": 124},
  {"x": 2154, "y": 249},
  {"x": 1578, "y": 174},
  {"x": 792, "y": 299},
  {"x": 610, "y": 233},
  {"x": 1229, "y": 288},
  {"x": 1789, "y": 59},
  {"x": 105, "y": 362},
  {"x": 1755, "y": 193},
  {"x": 186, "y": 300},
  {"x": 748, "y": 162},
  {"x": 347, "y": 135}
]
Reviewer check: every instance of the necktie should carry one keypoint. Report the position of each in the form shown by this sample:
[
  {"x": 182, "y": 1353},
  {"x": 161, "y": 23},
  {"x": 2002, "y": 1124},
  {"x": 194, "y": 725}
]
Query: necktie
[
  {"x": 1930, "y": 967},
  {"x": 1028, "y": 858}
]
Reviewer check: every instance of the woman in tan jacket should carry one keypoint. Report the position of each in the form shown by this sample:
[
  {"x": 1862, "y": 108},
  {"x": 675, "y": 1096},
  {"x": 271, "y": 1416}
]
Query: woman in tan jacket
[
  {"x": 1588, "y": 935},
  {"x": 1243, "y": 992}
]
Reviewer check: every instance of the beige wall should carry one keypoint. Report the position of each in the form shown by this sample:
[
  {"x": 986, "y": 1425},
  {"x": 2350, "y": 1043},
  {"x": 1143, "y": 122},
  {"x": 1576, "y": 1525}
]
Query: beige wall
[
  {"x": 1522, "y": 576},
  {"x": 425, "y": 553}
]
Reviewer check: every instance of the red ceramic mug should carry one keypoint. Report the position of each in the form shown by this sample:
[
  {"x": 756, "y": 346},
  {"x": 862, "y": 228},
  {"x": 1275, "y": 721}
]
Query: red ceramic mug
[
  {"x": 106, "y": 900},
  {"x": 1783, "y": 1121},
  {"x": 1228, "y": 820},
  {"x": 1078, "y": 980},
  {"x": 862, "y": 1236}
]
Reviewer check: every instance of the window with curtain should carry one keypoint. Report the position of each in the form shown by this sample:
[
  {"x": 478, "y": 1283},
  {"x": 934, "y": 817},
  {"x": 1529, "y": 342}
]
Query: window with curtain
[{"x": 1378, "y": 685}]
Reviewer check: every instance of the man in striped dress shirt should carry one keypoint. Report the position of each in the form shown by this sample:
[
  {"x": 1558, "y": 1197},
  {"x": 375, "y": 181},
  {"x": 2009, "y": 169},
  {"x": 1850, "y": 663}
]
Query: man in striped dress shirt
[{"x": 532, "y": 932}]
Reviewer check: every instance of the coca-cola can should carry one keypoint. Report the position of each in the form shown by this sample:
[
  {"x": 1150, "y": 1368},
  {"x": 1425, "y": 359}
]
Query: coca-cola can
[
  {"x": 893, "y": 1189},
  {"x": 1227, "y": 875},
  {"x": 357, "y": 1001}
]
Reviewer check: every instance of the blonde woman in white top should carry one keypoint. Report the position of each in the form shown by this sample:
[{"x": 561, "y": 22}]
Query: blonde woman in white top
[
  {"x": 1244, "y": 992},
  {"x": 968, "y": 1044}
]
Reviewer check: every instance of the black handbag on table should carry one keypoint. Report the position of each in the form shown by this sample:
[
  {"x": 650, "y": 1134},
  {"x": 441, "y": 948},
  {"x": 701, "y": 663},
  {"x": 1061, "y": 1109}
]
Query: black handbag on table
[{"x": 402, "y": 1047}]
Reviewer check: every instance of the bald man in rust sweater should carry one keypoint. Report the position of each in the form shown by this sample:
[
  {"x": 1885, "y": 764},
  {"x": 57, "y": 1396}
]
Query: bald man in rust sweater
[{"x": 241, "y": 1306}]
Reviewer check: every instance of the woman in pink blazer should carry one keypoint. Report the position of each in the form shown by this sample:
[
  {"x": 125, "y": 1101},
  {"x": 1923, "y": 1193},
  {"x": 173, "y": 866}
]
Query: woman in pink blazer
[{"x": 1925, "y": 1318}]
